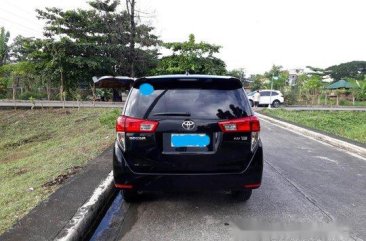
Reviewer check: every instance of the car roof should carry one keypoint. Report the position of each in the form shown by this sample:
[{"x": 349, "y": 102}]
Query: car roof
[
  {"x": 179, "y": 79},
  {"x": 271, "y": 90},
  {"x": 187, "y": 76}
]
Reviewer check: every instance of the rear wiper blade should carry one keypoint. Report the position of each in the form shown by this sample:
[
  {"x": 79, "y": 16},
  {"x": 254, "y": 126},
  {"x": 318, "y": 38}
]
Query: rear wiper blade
[{"x": 172, "y": 114}]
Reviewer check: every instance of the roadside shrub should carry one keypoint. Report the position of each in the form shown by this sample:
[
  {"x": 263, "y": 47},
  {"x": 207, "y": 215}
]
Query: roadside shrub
[
  {"x": 343, "y": 102},
  {"x": 3, "y": 87},
  {"x": 35, "y": 95},
  {"x": 109, "y": 118},
  {"x": 361, "y": 92},
  {"x": 78, "y": 94},
  {"x": 290, "y": 98}
]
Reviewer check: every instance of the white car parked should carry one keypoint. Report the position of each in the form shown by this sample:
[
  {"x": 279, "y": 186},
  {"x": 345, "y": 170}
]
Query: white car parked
[{"x": 276, "y": 98}]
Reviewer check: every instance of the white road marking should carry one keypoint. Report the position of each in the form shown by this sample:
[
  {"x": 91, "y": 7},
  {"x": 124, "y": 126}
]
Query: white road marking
[{"x": 326, "y": 158}]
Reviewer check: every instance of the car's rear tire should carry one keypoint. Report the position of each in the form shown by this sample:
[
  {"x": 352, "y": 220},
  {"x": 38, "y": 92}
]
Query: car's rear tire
[
  {"x": 276, "y": 104},
  {"x": 241, "y": 195},
  {"x": 130, "y": 196},
  {"x": 251, "y": 103}
]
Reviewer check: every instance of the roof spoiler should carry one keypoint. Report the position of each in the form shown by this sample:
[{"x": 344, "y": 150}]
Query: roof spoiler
[{"x": 114, "y": 82}]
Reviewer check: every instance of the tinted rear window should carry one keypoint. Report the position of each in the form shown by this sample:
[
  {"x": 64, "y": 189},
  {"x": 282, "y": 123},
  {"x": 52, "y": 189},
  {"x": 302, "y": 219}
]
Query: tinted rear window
[{"x": 200, "y": 103}]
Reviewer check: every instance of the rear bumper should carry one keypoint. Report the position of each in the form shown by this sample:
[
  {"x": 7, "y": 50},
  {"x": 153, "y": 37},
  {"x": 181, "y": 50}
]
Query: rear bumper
[{"x": 249, "y": 179}]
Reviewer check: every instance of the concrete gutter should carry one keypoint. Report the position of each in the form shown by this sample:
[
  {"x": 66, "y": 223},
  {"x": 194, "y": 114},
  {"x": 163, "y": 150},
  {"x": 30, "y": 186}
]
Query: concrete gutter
[
  {"x": 317, "y": 136},
  {"x": 79, "y": 226}
]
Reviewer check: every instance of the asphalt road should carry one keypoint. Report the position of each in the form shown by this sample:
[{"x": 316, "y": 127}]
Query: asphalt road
[{"x": 305, "y": 182}]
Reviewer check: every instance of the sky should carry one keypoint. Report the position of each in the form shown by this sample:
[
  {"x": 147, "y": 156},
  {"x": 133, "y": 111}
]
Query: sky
[{"x": 254, "y": 34}]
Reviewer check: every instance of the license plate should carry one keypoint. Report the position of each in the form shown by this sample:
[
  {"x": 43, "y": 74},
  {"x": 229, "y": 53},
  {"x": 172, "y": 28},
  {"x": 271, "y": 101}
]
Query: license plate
[{"x": 190, "y": 140}]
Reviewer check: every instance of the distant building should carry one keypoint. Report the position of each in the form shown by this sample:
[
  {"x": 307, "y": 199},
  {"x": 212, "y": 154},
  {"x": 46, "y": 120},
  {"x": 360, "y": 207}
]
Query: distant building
[
  {"x": 293, "y": 75},
  {"x": 327, "y": 79}
]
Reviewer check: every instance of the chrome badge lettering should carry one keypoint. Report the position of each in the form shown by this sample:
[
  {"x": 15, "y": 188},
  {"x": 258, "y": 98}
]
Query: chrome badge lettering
[{"x": 137, "y": 138}]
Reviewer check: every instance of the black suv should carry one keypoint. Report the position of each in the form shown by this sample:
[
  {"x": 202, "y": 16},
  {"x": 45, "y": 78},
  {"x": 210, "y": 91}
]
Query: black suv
[{"x": 187, "y": 132}]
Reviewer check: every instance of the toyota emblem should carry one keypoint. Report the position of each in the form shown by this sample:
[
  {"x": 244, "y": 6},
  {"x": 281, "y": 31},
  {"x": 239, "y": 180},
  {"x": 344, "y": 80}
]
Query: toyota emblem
[{"x": 188, "y": 125}]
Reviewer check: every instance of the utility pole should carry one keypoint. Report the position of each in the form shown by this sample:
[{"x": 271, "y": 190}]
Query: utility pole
[{"x": 130, "y": 4}]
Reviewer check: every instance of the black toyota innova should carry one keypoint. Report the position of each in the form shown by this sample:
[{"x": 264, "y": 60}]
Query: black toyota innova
[{"x": 187, "y": 132}]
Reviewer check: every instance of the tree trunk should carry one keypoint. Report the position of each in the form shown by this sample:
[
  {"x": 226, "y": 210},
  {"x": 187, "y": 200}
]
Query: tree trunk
[
  {"x": 61, "y": 85},
  {"x": 48, "y": 89},
  {"x": 14, "y": 93},
  {"x": 94, "y": 95}
]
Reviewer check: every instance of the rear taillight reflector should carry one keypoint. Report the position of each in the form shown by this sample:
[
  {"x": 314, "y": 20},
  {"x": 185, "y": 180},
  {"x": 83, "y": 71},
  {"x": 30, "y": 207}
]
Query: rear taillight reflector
[
  {"x": 135, "y": 125},
  {"x": 252, "y": 186},
  {"x": 246, "y": 124},
  {"x": 123, "y": 186}
]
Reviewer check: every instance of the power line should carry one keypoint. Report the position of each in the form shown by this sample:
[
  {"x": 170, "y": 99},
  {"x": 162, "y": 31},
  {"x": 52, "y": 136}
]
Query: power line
[
  {"x": 19, "y": 16},
  {"x": 17, "y": 7},
  {"x": 28, "y": 29}
]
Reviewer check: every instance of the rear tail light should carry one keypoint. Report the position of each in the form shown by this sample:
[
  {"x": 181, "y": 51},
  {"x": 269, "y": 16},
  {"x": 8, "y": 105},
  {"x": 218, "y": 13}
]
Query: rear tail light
[
  {"x": 125, "y": 124},
  {"x": 135, "y": 125},
  {"x": 252, "y": 186},
  {"x": 123, "y": 186},
  {"x": 247, "y": 124}
]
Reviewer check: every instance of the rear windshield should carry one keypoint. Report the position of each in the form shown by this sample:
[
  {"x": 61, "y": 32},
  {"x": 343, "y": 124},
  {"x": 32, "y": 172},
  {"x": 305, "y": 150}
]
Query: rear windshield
[{"x": 197, "y": 103}]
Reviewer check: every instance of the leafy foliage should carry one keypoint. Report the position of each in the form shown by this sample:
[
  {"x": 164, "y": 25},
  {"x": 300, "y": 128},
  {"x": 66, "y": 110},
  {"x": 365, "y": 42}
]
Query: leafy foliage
[
  {"x": 4, "y": 49},
  {"x": 97, "y": 41},
  {"x": 196, "y": 58},
  {"x": 238, "y": 73},
  {"x": 278, "y": 76},
  {"x": 354, "y": 69},
  {"x": 82, "y": 43}
]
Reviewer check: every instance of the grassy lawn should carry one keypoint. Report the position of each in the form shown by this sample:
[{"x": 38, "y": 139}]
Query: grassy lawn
[
  {"x": 348, "y": 124},
  {"x": 39, "y": 148}
]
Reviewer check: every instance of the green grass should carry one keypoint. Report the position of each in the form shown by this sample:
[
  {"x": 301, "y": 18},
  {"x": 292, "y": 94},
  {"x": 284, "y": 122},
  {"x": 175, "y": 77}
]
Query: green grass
[
  {"x": 350, "y": 103},
  {"x": 347, "y": 124},
  {"x": 37, "y": 146}
]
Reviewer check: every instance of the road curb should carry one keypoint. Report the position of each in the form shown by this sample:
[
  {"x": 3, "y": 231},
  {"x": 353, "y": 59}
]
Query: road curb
[
  {"x": 79, "y": 226},
  {"x": 318, "y": 136}
]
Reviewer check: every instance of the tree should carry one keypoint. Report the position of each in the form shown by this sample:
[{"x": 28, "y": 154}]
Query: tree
[
  {"x": 105, "y": 41},
  {"x": 238, "y": 73},
  {"x": 4, "y": 49},
  {"x": 354, "y": 69},
  {"x": 278, "y": 76},
  {"x": 313, "y": 84},
  {"x": 258, "y": 82},
  {"x": 192, "y": 57},
  {"x": 99, "y": 41}
]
